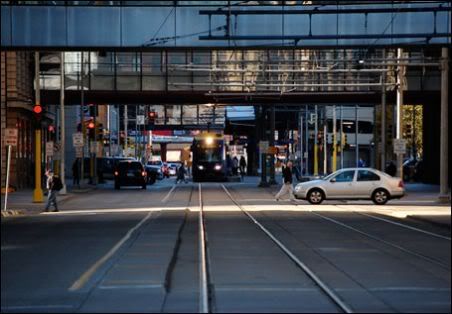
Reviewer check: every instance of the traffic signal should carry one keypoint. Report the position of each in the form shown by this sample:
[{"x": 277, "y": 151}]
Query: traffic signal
[
  {"x": 37, "y": 110},
  {"x": 91, "y": 130},
  {"x": 100, "y": 132},
  {"x": 152, "y": 115}
]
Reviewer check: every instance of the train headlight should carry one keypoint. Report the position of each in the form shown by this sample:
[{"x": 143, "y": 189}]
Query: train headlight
[
  {"x": 209, "y": 140},
  {"x": 217, "y": 167},
  {"x": 201, "y": 167}
]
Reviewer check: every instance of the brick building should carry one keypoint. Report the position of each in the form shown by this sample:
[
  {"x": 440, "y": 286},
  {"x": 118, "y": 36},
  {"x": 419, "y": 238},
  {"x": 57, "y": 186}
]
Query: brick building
[{"x": 17, "y": 98}]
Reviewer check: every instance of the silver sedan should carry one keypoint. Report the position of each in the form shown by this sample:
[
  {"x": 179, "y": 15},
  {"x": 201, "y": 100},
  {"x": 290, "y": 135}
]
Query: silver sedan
[{"x": 352, "y": 183}]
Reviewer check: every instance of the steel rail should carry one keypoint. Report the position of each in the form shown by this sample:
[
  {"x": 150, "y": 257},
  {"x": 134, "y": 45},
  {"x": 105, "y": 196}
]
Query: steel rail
[
  {"x": 419, "y": 255},
  {"x": 327, "y": 290},
  {"x": 404, "y": 226},
  {"x": 203, "y": 281}
]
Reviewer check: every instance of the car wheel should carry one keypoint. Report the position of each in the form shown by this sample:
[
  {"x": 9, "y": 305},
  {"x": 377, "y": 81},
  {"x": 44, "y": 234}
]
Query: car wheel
[
  {"x": 116, "y": 186},
  {"x": 380, "y": 196},
  {"x": 315, "y": 196},
  {"x": 144, "y": 186}
]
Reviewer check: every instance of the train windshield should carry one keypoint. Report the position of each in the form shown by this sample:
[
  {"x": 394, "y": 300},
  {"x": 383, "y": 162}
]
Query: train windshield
[{"x": 210, "y": 155}]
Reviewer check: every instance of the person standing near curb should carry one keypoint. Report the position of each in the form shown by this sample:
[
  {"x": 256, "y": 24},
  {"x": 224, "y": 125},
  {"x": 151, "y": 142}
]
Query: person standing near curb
[
  {"x": 287, "y": 183},
  {"x": 53, "y": 185}
]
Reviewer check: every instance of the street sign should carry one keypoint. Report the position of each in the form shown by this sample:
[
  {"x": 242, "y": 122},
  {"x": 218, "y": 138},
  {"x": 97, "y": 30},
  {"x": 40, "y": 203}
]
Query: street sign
[
  {"x": 263, "y": 146},
  {"x": 399, "y": 146},
  {"x": 77, "y": 139},
  {"x": 11, "y": 137},
  {"x": 140, "y": 120},
  {"x": 49, "y": 149},
  {"x": 312, "y": 118}
]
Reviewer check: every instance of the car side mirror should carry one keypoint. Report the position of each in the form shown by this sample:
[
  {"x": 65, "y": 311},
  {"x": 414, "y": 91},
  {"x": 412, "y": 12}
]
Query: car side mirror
[{"x": 333, "y": 180}]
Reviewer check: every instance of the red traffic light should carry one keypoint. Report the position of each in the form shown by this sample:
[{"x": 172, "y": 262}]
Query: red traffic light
[
  {"x": 51, "y": 128},
  {"x": 91, "y": 125},
  {"x": 37, "y": 108},
  {"x": 152, "y": 114}
]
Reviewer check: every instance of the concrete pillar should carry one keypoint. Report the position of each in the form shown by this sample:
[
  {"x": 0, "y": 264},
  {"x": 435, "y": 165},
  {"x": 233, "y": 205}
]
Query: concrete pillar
[
  {"x": 163, "y": 149},
  {"x": 383, "y": 119},
  {"x": 444, "y": 195}
]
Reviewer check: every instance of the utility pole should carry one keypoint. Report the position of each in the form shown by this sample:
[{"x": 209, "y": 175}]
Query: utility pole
[
  {"x": 399, "y": 111},
  {"x": 342, "y": 136},
  {"x": 334, "y": 162},
  {"x": 383, "y": 117},
  {"x": 82, "y": 116},
  {"x": 444, "y": 195},
  {"x": 306, "y": 114},
  {"x": 272, "y": 144},
  {"x": 63, "y": 191},
  {"x": 126, "y": 122},
  {"x": 316, "y": 157},
  {"x": 38, "y": 196},
  {"x": 356, "y": 137}
]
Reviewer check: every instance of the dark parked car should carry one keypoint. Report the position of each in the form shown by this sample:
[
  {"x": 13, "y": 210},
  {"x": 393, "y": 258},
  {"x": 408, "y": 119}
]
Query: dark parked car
[
  {"x": 130, "y": 173},
  {"x": 154, "y": 171}
]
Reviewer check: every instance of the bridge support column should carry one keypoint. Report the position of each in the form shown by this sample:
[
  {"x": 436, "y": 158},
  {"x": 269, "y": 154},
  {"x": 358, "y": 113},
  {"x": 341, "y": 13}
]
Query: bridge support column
[
  {"x": 163, "y": 149},
  {"x": 272, "y": 143}
]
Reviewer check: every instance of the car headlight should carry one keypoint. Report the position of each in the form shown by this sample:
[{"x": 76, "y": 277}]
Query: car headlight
[
  {"x": 217, "y": 167},
  {"x": 201, "y": 167},
  {"x": 159, "y": 171}
]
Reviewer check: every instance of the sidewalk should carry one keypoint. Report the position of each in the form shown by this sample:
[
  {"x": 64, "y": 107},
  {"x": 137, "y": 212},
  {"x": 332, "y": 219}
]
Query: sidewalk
[
  {"x": 21, "y": 201},
  {"x": 420, "y": 202}
]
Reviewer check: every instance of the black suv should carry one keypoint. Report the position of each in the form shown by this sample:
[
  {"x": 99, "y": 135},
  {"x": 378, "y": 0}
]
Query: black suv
[{"x": 130, "y": 173}]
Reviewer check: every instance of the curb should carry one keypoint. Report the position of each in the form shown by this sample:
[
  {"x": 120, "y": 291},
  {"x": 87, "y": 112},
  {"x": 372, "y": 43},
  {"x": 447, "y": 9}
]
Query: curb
[{"x": 12, "y": 212}]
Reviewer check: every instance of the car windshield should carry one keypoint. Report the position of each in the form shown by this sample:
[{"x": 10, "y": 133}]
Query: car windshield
[
  {"x": 329, "y": 176},
  {"x": 210, "y": 155},
  {"x": 154, "y": 163}
]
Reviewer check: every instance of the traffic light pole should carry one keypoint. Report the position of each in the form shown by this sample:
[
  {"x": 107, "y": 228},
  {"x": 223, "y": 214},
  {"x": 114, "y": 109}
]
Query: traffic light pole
[
  {"x": 399, "y": 112},
  {"x": 316, "y": 157},
  {"x": 38, "y": 196},
  {"x": 444, "y": 195},
  {"x": 63, "y": 191},
  {"x": 82, "y": 117}
]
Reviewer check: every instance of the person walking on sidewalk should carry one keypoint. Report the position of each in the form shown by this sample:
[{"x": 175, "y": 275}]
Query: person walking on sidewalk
[
  {"x": 181, "y": 174},
  {"x": 53, "y": 185},
  {"x": 242, "y": 166},
  {"x": 75, "y": 173},
  {"x": 287, "y": 183}
]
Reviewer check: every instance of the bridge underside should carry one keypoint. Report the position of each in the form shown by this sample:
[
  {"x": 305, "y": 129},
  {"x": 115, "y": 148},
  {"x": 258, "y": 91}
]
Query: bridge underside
[{"x": 237, "y": 99}]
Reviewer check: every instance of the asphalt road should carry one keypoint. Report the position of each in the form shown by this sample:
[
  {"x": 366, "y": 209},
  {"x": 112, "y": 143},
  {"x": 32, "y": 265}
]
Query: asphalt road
[{"x": 137, "y": 250}]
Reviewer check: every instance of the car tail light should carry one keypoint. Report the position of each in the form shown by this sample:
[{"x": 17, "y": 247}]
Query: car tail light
[
  {"x": 401, "y": 185},
  {"x": 143, "y": 173}
]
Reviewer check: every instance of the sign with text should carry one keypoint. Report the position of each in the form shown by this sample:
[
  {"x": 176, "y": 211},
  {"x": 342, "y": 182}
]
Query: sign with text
[
  {"x": 399, "y": 146},
  {"x": 11, "y": 137},
  {"x": 77, "y": 139},
  {"x": 49, "y": 149},
  {"x": 140, "y": 120}
]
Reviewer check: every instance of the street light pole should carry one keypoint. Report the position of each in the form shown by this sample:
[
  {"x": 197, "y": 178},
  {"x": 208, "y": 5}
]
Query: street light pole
[
  {"x": 444, "y": 195},
  {"x": 63, "y": 191},
  {"x": 38, "y": 196},
  {"x": 399, "y": 111}
]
